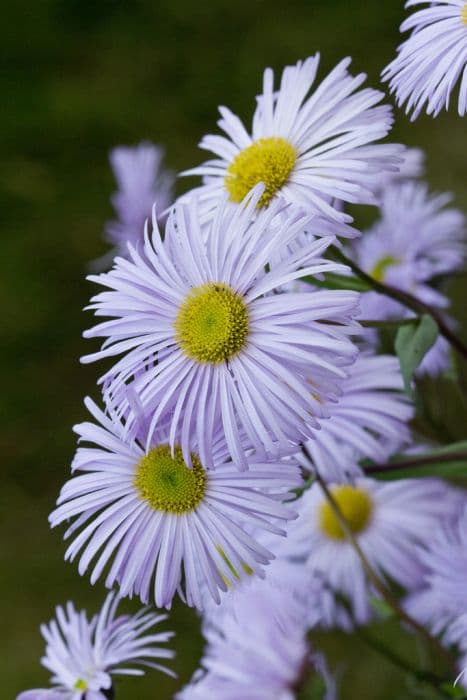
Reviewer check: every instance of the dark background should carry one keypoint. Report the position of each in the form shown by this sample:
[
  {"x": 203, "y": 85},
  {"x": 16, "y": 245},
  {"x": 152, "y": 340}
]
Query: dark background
[{"x": 78, "y": 77}]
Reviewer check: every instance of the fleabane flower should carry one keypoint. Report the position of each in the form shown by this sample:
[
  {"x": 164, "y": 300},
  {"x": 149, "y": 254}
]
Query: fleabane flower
[
  {"x": 389, "y": 521},
  {"x": 432, "y": 60},
  {"x": 84, "y": 654},
  {"x": 369, "y": 420},
  {"x": 157, "y": 525},
  {"x": 417, "y": 238},
  {"x": 441, "y": 596},
  {"x": 260, "y": 652},
  {"x": 310, "y": 146},
  {"x": 141, "y": 182},
  {"x": 203, "y": 334}
]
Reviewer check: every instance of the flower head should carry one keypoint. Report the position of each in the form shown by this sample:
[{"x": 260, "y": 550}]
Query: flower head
[
  {"x": 141, "y": 183},
  {"x": 83, "y": 654},
  {"x": 433, "y": 59},
  {"x": 441, "y": 596},
  {"x": 308, "y": 147},
  {"x": 416, "y": 239},
  {"x": 260, "y": 652},
  {"x": 160, "y": 526},
  {"x": 203, "y": 334},
  {"x": 389, "y": 521}
]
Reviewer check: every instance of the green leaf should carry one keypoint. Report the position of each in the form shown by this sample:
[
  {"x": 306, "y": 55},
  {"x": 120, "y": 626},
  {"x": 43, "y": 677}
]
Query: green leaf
[
  {"x": 412, "y": 343},
  {"x": 332, "y": 281},
  {"x": 447, "y": 461},
  {"x": 313, "y": 689}
]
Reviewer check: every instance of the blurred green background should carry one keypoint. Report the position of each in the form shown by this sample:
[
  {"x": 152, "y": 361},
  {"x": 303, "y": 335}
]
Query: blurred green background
[{"x": 78, "y": 77}]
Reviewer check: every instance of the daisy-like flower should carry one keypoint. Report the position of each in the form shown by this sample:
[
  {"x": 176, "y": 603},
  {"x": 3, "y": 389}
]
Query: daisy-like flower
[
  {"x": 417, "y": 238},
  {"x": 159, "y": 525},
  {"x": 368, "y": 421},
  {"x": 311, "y": 147},
  {"x": 441, "y": 597},
  {"x": 141, "y": 182},
  {"x": 389, "y": 520},
  {"x": 256, "y": 653},
  {"x": 433, "y": 59},
  {"x": 83, "y": 655},
  {"x": 216, "y": 343}
]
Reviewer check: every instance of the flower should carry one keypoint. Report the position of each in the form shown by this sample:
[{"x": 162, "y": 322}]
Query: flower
[
  {"x": 310, "y": 148},
  {"x": 416, "y": 239},
  {"x": 257, "y": 653},
  {"x": 161, "y": 522},
  {"x": 431, "y": 61},
  {"x": 389, "y": 521},
  {"x": 369, "y": 420},
  {"x": 142, "y": 182},
  {"x": 441, "y": 596},
  {"x": 203, "y": 333},
  {"x": 83, "y": 654}
]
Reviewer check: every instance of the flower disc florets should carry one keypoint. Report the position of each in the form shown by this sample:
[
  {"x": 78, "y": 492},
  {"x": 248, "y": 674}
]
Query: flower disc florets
[
  {"x": 267, "y": 160},
  {"x": 356, "y": 507},
  {"x": 212, "y": 323},
  {"x": 167, "y": 483}
]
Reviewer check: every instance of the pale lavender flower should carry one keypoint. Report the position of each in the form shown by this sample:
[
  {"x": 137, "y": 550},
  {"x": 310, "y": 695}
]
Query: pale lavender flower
[
  {"x": 156, "y": 522},
  {"x": 314, "y": 148},
  {"x": 441, "y": 596},
  {"x": 417, "y": 238},
  {"x": 369, "y": 420},
  {"x": 199, "y": 315},
  {"x": 260, "y": 652},
  {"x": 432, "y": 60},
  {"x": 83, "y": 654},
  {"x": 142, "y": 182},
  {"x": 389, "y": 520}
]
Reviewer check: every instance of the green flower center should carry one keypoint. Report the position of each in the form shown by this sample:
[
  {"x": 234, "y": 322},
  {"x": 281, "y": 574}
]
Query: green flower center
[
  {"x": 81, "y": 684},
  {"x": 379, "y": 270},
  {"x": 269, "y": 160},
  {"x": 356, "y": 507},
  {"x": 167, "y": 483},
  {"x": 212, "y": 323}
]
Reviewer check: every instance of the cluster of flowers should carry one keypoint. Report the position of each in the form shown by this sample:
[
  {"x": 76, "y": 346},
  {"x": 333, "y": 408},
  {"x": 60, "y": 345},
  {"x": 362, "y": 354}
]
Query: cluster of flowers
[{"x": 245, "y": 395}]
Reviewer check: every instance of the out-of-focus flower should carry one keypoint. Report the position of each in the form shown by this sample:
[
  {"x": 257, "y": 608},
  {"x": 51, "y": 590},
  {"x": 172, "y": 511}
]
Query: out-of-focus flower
[
  {"x": 142, "y": 182},
  {"x": 258, "y": 652},
  {"x": 433, "y": 59},
  {"x": 199, "y": 314},
  {"x": 311, "y": 148},
  {"x": 83, "y": 654},
  {"x": 154, "y": 517},
  {"x": 441, "y": 596}
]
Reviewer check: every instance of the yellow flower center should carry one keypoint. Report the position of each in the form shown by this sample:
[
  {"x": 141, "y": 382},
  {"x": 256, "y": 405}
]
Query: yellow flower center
[
  {"x": 269, "y": 160},
  {"x": 464, "y": 14},
  {"x": 167, "y": 483},
  {"x": 356, "y": 507},
  {"x": 212, "y": 323},
  {"x": 81, "y": 684},
  {"x": 379, "y": 270}
]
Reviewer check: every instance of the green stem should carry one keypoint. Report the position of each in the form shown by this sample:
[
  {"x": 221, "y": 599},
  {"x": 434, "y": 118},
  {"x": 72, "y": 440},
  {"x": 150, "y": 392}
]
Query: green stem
[
  {"x": 404, "y": 298},
  {"x": 417, "y": 462}
]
